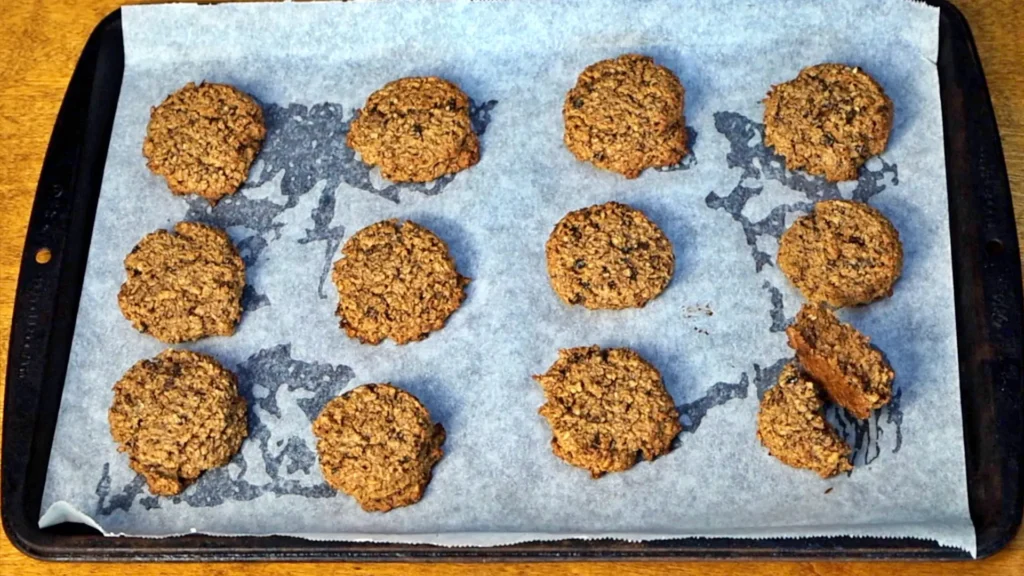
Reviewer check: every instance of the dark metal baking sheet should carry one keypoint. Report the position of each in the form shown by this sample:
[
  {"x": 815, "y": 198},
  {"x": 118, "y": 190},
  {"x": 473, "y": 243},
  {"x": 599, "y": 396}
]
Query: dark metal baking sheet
[{"x": 987, "y": 286}]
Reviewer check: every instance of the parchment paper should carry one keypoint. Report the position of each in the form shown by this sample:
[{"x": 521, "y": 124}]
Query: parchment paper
[{"x": 716, "y": 334}]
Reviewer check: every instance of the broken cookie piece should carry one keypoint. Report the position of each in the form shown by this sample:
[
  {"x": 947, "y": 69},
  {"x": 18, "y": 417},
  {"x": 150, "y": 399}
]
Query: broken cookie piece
[
  {"x": 853, "y": 372},
  {"x": 792, "y": 426}
]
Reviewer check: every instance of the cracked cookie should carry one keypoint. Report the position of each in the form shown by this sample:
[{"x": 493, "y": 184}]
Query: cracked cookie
[
  {"x": 176, "y": 416},
  {"x": 625, "y": 115},
  {"x": 828, "y": 120},
  {"x": 843, "y": 253},
  {"x": 608, "y": 256},
  {"x": 791, "y": 425},
  {"x": 853, "y": 372},
  {"x": 377, "y": 444},
  {"x": 607, "y": 408},
  {"x": 203, "y": 139},
  {"x": 183, "y": 285},
  {"x": 416, "y": 129},
  {"x": 396, "y": 280}
]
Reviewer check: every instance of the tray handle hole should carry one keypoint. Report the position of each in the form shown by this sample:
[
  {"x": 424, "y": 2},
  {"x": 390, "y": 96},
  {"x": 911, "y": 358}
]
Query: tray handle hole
[
  {"x": 994, "y": 247},
  {"x": 43, "y": 255}
]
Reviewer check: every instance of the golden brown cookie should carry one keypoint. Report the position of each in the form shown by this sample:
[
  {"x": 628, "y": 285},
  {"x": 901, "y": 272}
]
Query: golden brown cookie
[
  {"x": 203, "y": 139},
  {"x": 828, "y": 120},
  {"x": 183, "y": 285},
  {"x": 841, "y": 359},
  {"x": 791, "y": 425},
  {"x": 843, "y": 253},
  {"x": 606, "y": 409},
  {"x": 625, "y": 115},
  {"x": 396, "y": 280},
  {"x": 608, "y": 256},
  {"x": 416, "y": 130},
  {"x": 377, "y": 444},
  {"x": 176, "y": 416}
]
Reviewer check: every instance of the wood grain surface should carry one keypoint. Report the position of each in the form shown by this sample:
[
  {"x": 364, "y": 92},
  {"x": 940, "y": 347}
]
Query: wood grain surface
[{"x": 40, "y": 41}]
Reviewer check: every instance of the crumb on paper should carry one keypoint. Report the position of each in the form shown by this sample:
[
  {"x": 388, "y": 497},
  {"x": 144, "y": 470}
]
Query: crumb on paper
[{"x": 698, "y": 311}]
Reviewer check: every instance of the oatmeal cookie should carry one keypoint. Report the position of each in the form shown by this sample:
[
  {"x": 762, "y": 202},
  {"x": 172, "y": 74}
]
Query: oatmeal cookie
[
  {"x": 607, "y": 408},
  {"x": 853, "y": 372},
  {"x": 416, "y": 130},
  {"x": 203, "y": 139},
  {"x": 183, "y": 285},
  {"x": 396, "y": 280},
  {"x": 176, "y": 416},
  {"x": 792, "y": 426},
  {"x": 625, "y": 115},
  {"x": 377, "y": 444},
  {"x": 843, "y": 253},
  {"x": 608, "y": 256},
  {"x": 828, "y": 120}
]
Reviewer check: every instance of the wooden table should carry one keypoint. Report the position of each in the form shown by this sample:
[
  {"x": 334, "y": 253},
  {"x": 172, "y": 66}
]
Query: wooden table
[{"x": 39, "y": 45}]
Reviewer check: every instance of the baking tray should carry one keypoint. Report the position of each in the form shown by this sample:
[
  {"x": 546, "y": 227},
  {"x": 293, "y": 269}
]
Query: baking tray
[{"x": 987, "y": 288}]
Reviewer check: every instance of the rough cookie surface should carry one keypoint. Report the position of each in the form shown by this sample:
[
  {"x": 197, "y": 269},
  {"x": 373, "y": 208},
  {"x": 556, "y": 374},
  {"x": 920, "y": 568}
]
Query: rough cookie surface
[
  {"x": 792, "y": 426},
  {"x": 843, "y": 253},
  {"x": 203, "y": 139},
  {"x": 378, "y": 445},
  {"x": 853, "y": 372},
  {"x": 607, "y": 408},
  {"x": 625, "y": 115},
  {"x": 184, "y": 285},
  {"x": 828, "y": 120},
  {"x": 608, "y": 256},
  {"x": 176, "y": 416},
  {"x": 396, "y": 280},
  {"x": 416, "y": 130}
]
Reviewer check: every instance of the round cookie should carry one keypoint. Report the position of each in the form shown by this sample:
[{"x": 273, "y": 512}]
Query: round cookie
[
  {"x": 608, "y": 256},
  {"x": 377, "y": 444},
  {"x": 416, "y": 129},
  {"x": 396, "y": 280},
  {"x": 176, "y": 416},
  {"x": 607, "y": 408},
  {"x": 828, "y": 120},
  {"x": 203, "y": 139},
  {"x": 184, "y": 285},
  {"x": 625, "y": 115},
  {"x": 791, "y": 425},
  {"x": 844, "y": 253}
]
